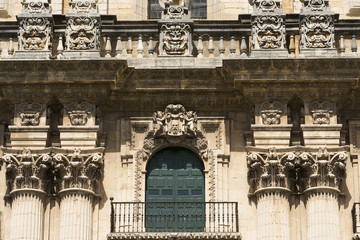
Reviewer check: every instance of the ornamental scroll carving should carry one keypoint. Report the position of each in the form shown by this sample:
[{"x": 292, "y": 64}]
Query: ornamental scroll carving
[
  {"x": 175, "y": 9},
  {"x": 79, "y": 113},
  {"x": 298, "y": 170},
  {"x": 316, "y": 5},
  {"x": 317, "y": 31},
  {"x": 30, "y": 113},
  {"x": 27, "y": 170},
  {"x": 174, "y": 127},
  {"x": 78, "y": 170},
  {"x": 35, "y": 33},
  {"x": 176, "y": 38},
  {"x": 267, "y": 5},
  {"x": 268, "y": 32},
  {"x": 321, "y": 111},
  {"x": 83, "y": 6},
  {"x": 36, "y": 7},
  {"x": 82, "y": 33},
  {"x": 271, "y": 112}
]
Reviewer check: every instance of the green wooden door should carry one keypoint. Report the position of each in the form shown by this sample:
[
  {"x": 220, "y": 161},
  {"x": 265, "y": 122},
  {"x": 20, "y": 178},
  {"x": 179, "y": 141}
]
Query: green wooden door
[{"x": 175, "y": 177}]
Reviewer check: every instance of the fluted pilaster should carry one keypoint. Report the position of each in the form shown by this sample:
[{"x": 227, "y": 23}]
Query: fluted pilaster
[
  {"x": 323, "y": 214},
  {"x": 76, "y": 210},
  {"x": 273, "y": 215},
  {"x": 27, "y": 214}
]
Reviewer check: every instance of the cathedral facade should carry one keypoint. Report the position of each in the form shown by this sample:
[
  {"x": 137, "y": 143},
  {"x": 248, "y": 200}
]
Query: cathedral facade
[{"x": 179, "y": 119}]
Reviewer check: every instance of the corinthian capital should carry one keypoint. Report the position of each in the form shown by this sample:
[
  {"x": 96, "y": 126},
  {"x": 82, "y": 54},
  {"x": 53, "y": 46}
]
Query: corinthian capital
[
  {"x": 271, "y": 170},
  {"x": 80, "y": 169},
  {"x": 27, "y": 170}
]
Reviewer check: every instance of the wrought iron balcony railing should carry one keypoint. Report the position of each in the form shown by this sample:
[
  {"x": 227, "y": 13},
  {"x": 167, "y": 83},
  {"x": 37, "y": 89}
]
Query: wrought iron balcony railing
[{"x": 138, "y": 217}]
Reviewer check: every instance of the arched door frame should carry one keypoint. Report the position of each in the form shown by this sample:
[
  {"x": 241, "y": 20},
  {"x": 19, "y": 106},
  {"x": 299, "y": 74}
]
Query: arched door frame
[{"x": 197, "y": 144}]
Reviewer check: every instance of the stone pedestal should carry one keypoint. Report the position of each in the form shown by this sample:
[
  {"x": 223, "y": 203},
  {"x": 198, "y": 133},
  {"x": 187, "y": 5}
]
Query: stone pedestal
[
  {"x": 323, "y": 214},
  {"x": 28, "y": 136},
  {"x": 78, "y": 136},
  {"x": 271, "y": 135},
  {"x": 27, "y": 214},
  {"x": 76, "y": 210},
  {"x": 273, "y": 215},
  {"x": 323, "y": 135}
]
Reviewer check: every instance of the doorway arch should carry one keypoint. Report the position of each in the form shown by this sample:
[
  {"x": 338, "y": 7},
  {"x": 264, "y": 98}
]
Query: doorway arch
[{"x": 175, "y": 191}]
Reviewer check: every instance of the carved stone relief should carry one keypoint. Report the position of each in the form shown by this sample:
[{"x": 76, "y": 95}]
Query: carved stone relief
[
  {"x": 317, "y": 31},
  {"x": 175, "y": 9},
  {"x": 316, "y": 5},
  {"x": 209, "y": 128},
  {"x": 29, "y": 113},
  {"x": 82, "y": 33},
  {"x": 175, "y": 38},
  {"x": 35, "y": 33},
  {"x": 36, "y": 7},
  {"x": 79, "y": 113},
  {"x": 271, "y": 112},
  {"x": 138, "y": 128},
  {"x": 321, "y": 111},
  {"x": 83, "y": 6}
]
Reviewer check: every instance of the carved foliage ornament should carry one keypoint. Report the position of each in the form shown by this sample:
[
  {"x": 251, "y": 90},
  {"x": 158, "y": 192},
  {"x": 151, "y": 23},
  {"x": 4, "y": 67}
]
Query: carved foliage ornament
[
  {"x": 297, "y": 170},
  {"x": 79, "y": 112},
  {"x": 176, "y": 39},
  {"x": 27, "y": 170},
  {"x": 268, "y": 32},
  {"x": 36, "y": 7},
  {"x": 321, "y": 111},
  {"x": 266, "y": 5},
  {"x": 30, "y": 113},
  {"x": 82, "y": 33},
  {"x": 78, "y": 170},
  {"x": 271, "y": 112},
  {"x": 317, "y": 31},
  {"x": 34, "y": 34}
]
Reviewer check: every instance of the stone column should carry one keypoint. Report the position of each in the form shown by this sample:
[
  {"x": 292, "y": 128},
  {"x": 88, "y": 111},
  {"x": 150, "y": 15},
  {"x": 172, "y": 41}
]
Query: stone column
[
  {"x": 26, "y": 177},
  {"x": 270, "y": 175},
  {"x": 325, "y": 173},
  {"x": 78, "y": 175},
  {"x": 273, "y": 217},
  {"x": 27, "y": 214}
]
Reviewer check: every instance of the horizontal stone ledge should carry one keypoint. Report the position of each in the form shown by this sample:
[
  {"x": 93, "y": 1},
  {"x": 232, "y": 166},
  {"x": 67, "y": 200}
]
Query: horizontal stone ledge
[{"x": 169, "y": 235}]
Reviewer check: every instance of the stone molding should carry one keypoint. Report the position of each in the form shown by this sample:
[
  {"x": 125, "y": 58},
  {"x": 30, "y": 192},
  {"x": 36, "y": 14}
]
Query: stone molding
[
  {"x": 175, "y": 236},
  {"x": 297, "y": 169}
]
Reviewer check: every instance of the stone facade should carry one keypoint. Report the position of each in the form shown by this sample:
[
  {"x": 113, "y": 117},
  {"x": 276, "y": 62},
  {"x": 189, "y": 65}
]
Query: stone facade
[{"x": 264, "y": 94}]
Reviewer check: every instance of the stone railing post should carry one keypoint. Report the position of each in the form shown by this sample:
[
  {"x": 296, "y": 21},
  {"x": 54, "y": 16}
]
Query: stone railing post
[
  {"x": 271, "y": 183},
  {"x": 26, "y": 177}
]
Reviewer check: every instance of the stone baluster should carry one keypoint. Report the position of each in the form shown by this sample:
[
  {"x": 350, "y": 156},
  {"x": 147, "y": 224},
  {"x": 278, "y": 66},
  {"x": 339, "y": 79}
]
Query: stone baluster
[
  {"x": 211, "y": 47},
  {"x": 151, "y": 47},
  {"x": 356, "y": 220},
  {"x": 232, "y": 47},
  {"x": 140, "y": 48},
  {"x": 354, "y": 46},
  {"x": 60, "y": 48},
  {"x": 292, "y": 46},
  {"x": 108, "y": 48},
  {"x": 26, "y": 177},
  {"x": 342, "y": 46},
  {"x": 129, "y": 49},
  {"x": 0, "y": 48},
  {"x": 325, "y": 173},
  {"x": 200, "y": 48},
  {"x": 222, "y": 47},
  {"x": 78, "y": 175},
  {"x": 243, "y": 47},
  {"x": 11, "y": 47},
  {"x": 270, "y": 175},
  {"x": 119, "y": 48}
]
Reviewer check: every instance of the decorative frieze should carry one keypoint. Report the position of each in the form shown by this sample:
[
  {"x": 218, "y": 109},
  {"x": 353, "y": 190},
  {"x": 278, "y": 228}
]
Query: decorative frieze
[{"x": 81, "y": 170}]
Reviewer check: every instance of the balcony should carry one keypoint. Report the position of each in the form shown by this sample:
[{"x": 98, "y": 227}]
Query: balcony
[{"x": 177, "y": 220}]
